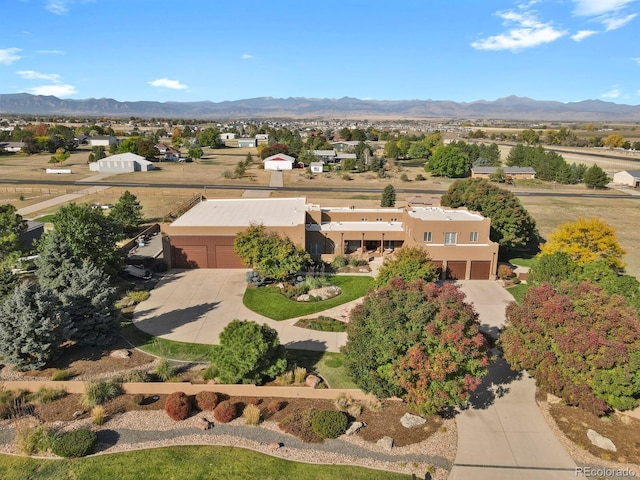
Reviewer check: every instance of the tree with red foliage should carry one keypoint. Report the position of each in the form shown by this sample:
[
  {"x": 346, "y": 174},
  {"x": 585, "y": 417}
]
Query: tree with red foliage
[
  {"x": 579, "y": 343},
  {"x": 419, "y": 341},
  {"x": 273, "y": 149}
]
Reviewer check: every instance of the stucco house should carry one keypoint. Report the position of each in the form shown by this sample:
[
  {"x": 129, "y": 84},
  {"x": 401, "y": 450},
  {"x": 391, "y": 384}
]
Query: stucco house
[
  {"x": 279, "y": 161},
  {"x": 122, "y": 163},
  {"x": 457, "y": 240},
  {"x": 627, "y": 177}
]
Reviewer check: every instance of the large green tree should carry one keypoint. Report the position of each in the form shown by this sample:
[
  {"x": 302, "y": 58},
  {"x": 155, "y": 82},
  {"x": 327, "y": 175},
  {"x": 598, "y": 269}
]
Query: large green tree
[
  {"x": 418, "y": 341},
  {"x": 595, "y": 177},
  {"x": 127, "y": 213},
  {"x": 511, "y": 225},
  {"x": 388, "y": 198},
  {"x": 449, "y": 161},
  {"x": 408, "y": 263},
  {"x": 248, "y": 353},
  {"x": 579, "y": 343},
  {"x": 11, "y": 227},
  {"x": 56, "y": 261}
]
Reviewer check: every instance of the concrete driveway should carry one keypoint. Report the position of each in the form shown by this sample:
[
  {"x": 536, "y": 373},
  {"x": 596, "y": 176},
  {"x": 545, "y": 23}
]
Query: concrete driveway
[
  {"x": 195, "y": 305},
  {"x": 490, "y": 300}
]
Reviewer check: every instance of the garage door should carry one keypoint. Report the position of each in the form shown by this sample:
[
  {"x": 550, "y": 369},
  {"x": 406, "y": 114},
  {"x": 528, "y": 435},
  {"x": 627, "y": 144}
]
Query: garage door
[
  {"x": 456, "y": 270},
  {"x": 480, "y": 270},
  {"x": 226, "y": 258},
  {"x": 191, "y": 256}
]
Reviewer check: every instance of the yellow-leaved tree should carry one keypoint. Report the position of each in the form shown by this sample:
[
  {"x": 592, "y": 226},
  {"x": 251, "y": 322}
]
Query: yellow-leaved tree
[{"x": 585, "y": 241}]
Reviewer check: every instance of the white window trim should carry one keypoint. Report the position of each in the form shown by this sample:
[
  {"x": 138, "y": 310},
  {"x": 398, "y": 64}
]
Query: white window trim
[{"x": 455, "y": 238}]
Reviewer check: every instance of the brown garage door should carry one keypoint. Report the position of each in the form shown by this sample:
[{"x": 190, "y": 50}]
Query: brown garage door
[
  {"x": 226, "y": 258},
  {"x": 480, "y": 270},
  {"x": 190, "y": 256},
  {"x": 456, "y": 270}
]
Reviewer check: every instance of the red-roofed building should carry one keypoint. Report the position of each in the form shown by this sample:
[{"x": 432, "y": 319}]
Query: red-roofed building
[{"x": 279, "y": 161}]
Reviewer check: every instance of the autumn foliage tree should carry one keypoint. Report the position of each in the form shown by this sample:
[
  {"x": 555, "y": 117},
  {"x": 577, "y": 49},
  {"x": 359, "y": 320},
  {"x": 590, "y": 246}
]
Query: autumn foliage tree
[
  {"x": 408, "y": 263},
  {"x": 579, "y": 343},
  {"x": 418, "y": 341},
  {"x": 585, "y": 241}
]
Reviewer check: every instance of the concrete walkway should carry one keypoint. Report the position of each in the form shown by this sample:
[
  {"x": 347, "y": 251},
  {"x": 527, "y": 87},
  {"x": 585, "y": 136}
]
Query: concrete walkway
[{"x": 277, "y": 179}]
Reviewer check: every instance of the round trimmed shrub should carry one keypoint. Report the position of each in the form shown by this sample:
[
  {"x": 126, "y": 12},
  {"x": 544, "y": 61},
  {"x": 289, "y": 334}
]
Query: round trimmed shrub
[
  {"x": 207, "y": 400},
  {"x": 178, "y": 406},
  {"x": 329, "y": 423},
  {"x": 225, "y": 412},
  {"x": 73, "y": 444}
]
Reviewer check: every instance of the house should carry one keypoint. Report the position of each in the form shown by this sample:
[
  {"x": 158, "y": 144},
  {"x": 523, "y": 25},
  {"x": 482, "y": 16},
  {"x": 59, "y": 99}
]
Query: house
[
  {"x": 325, "y": 156},
  {"x": 168, "y": 152},
  {"x": 121, "y": 163},
  {"x": 247, "y": 142},
  {"x": 345, "y": 145},
  {"x": 102, "y": 141},
  {"x": 627, "y": 177},
  {"x": 227, "y": 136},
  {"x": 11, "y": 147},
  {"x": 262, "y": 138},
  {"x": 32, "y": 234},
  {"x": 279, "y": 161},
  {"x": 457, "y": 240},
  {"x": 527, "y": 173},
  {"x": 424, "y": 201},
  {"x": 316, "y": 167}
]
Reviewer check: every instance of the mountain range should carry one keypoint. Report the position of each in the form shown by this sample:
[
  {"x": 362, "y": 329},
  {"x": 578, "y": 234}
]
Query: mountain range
[{"x": 508, "y": 108}]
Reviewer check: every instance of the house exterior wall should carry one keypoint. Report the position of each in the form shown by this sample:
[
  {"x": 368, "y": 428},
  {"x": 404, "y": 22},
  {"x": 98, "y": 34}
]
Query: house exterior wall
[
  {"x": 278, "y": 165},
  {"x": 625, "y": 178}
]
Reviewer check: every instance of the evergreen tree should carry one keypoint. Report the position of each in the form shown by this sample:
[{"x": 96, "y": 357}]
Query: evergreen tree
[
  {"x": 8, "y": 281},
  {"x": 29, "y": 327},
  {"x": 127, "y": 213},
  {"x": 388, "y": 197},
  {"x": 595, "y": 177},
  {"x": 56, "y": 261}
]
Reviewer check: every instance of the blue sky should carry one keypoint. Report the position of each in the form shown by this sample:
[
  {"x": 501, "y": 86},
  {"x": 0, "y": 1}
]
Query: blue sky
[{"x": 194, "y": 50}]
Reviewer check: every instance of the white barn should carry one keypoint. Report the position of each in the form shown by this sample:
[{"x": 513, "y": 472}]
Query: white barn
[
  {"x": 627, "y": 177},
  {"x": 279, "y": 161},
  {"x": 122, "y": 163}
]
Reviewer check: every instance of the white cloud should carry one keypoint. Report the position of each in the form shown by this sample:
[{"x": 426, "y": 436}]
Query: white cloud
[
  {"x": 637, "y": 60},
  {"x": 526, "y": 32},
  {"x": 590, "y": 8},
  {"x": 9, "y": 55},
  {"x": 582, "y": 34},
  {"x": 614, "y": 23},
  {"x": 58, "y": 7},
  {"x": 50, "y": 52},
  {"x": 166, "y": 83},
  {"x": 31, "y": 75},
  {"x": 246, "y": 56},
  {"x": 614, "y": 93},
  {"x": 55, "y": 90}
]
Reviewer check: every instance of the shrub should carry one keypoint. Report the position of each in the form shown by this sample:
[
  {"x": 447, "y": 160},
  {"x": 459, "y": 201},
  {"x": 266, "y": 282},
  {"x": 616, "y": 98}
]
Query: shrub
[
  {"x": 505, "y": 272},
  {"x": 178, "y": 406},
  {"x": 137, "y": 376},
  {"x": 354, "y": 410},
  {"x": 357, "y": 262},
  {"x": 225, "y": 412},
  {"x": 11, "y": 402},
  {"x": 210, "y": 373},
  {"x": 343, "y": 402},
  {"x": 420, "y": 178},
  {"x": 339, "y": 261},
  {"x": 274, "y": 406},
  {"x": 300, "y": 374},
  {"x": 137, "y": 399},
  {"x": 34, "y": 439},
  {"x": 251, "y": 414},
  {"x": 138, "y": 296},
  {"x": 329, "y": 423},
  {"x": 285, "y": 379},
  {"x": 404, "y": 177},
  {"x": 46, "y": 395},
  {"x": 299, "y": 424},
  {"x": 60, "y": 375},
  {"x": 97, "y": 393},
  {"x": 322, "y": 324},
  {"x": 228, "y": 174},
  {"x": 206, "y": 400},
  {"x": 374, "y": 404},
  {"x": 346, "y": 177},
  {"x": 98, "y": 415},
  {"x": 164, "y": 370},
  {"x": 73, "y": 444}
]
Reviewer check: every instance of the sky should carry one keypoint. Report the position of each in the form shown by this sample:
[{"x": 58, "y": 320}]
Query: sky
[{"x": 196, "y": 50}]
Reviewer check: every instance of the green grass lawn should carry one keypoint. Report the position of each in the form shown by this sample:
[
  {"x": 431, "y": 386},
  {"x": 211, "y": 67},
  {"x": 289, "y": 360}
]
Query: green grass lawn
[
  {"x": 329, "y": 365},
  {"x": 182, "y": 463},
  {"x": 519, "y": 258},
  {"x": 518, "y": 291},
  {"x": 269, "y": 302}
]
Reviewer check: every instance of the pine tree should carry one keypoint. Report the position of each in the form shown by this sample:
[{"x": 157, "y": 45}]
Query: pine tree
[
  {"x": 127, "y": 212},
  {"x": 595, "y": 177},
  {"x": 30, "y": 321},
  {"x": 388, "y": 197},
  {"x": 55, "y": 263}
]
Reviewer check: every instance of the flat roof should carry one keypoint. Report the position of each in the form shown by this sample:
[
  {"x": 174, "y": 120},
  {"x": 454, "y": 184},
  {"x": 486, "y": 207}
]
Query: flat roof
[
  {"x": 362, "y": 210},
  {"x": 357, "y": 227},
  {"x": 441, "y": 214},
  {"x": 242, "y": 212}
]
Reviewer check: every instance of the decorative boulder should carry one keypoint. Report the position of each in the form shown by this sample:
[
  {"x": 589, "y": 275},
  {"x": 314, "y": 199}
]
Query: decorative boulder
[
  {"x": 204, "y": 424},
  {"x": 354, "y": 427},
  {"x": 122, "y": 353},
  {"x": 312, "y": 381},
  {"x": 601, "y": 441},
  {"x": 410, "y": 421},
  {"x": 386, "y": 443}
]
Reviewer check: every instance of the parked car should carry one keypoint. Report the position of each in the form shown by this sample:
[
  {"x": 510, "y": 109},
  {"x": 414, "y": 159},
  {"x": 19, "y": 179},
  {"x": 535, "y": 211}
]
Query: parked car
[{"x": 138, "y": 272}]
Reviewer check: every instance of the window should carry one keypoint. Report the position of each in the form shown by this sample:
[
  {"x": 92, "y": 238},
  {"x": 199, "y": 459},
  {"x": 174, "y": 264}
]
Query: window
[
  {"x": 427, "y": 237},
  {"x": 450, "y": 238},
  {"x": 364, "y": 219},
  {"x": 378, "y": 219},
  {"x": 393, "y": 220},
  {"x": 473, "y": 237}
]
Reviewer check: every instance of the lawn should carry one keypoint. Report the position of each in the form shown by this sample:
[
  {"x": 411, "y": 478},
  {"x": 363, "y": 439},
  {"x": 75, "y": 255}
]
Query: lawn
[
  {"x": 177, "y": 463},
  {"x": 518, "y": 291},
  {"x": 329, "y": 365},
  {"x": 269, "y": 302}
]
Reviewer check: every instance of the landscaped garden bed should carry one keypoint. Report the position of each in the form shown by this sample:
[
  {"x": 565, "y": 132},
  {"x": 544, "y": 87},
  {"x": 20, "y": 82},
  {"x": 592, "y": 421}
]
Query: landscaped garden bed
[{"x": 322, "y": 324}]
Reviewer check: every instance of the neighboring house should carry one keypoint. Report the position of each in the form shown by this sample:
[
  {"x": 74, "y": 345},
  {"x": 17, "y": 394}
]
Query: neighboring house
[
  {"x": 344, "y": 156},
  {"x": 424, "y": 201},
  {"x": 168, "y": 152},
  {"x": 279, "y": 161},
  {"x": 527, "y": 173},
  {"x": 456, "y": 239},
  {"x": 34, "y": 231},
  {"x": 102, "y": 141},
  {"x": 11, "y": 147},
  {"x": 262, "y": 138},
  {"x": 227, "y": 136},
  {"x": 345, "y": 145},
  {"x": 121, "y": 163},
  {"x": 316, "y": 167},
  {"x": 247, "y": 142},
  {"x": 627, "y": 177},
  {"x": 325, "y": 156}
]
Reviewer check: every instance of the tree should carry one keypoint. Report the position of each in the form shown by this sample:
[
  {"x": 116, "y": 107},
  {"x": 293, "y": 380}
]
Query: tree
[
  {"x": 530, "y": 136},
  {"x": 595, "y": 177},
  {"x": 273, "y": 149},
  {"x": 209, "y": 137},
  {"x": 554, "y": 269},
  {"x": 449, "y": 161},
  {"x": 195, "y": 152},
  {"x": 127, "y": 213},
  {"x": 419, "y": 150},
  {"x": 146, "y": 148},
  {"x": 511, "y": 225},
  {"x": 30, "y": 321},
  {"x": 585, "y": 241},
  {"x": 408, "y": 263},
  {"x": 579, "y": 343},
  {"x": 388, "y": 198},
  {"x": 418, "y": 341},
  {"x": 8, "y": 282},
  {"x": 56, "y": 261},
  {"x": 89, "y": 233},
  {"x": 11, "y": 227},
  {"x": 614, "y": 140},
  {"x": 248, "y": 353}
]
